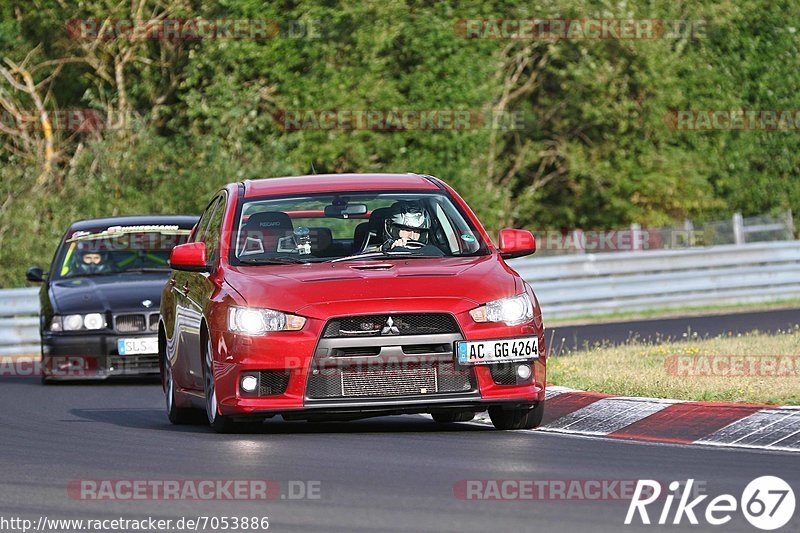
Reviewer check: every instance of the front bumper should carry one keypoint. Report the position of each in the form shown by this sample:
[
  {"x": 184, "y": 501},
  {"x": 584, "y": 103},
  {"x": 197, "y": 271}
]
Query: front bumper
[
  {"x": 92, "y": 356},
  {"x": 303, "y": 357}
]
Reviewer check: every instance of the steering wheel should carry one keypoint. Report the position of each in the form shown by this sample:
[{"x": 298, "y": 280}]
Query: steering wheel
[{"x": 414, "y": 245}]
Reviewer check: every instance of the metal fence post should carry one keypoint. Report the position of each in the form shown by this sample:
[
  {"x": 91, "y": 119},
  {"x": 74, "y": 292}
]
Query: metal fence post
[{"x": 738, "y": 229}]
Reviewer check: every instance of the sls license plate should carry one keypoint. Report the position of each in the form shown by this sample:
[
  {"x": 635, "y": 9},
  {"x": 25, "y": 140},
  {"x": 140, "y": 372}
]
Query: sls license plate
[{"x": 141, "y": 345}]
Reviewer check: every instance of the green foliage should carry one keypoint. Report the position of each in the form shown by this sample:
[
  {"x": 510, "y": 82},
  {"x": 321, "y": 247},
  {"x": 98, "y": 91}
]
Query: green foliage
[{"x": 595, "y": 150}]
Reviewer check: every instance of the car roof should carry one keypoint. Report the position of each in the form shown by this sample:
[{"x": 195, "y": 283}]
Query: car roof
[
  {"x": 322, "y": 183},
  {"x": 182, "y": 221}
]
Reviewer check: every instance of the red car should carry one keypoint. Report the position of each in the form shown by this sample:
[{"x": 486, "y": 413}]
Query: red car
[{"x": 346, "y": 296}]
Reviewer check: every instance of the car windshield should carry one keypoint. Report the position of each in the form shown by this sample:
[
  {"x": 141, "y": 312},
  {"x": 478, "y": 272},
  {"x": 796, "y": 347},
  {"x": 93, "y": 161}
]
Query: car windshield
[
  {"x": 118, "y": 250},
  {"x": 353, "y": 226}
]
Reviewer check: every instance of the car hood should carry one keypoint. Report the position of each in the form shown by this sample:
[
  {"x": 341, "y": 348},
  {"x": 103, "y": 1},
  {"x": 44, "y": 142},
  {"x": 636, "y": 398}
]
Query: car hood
[
  {"x": 105, "y": 293},
  {"x": 319, "y": 290}
]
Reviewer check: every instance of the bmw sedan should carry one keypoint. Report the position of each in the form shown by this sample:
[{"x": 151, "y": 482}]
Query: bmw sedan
[{"x": 100, "y": 300}]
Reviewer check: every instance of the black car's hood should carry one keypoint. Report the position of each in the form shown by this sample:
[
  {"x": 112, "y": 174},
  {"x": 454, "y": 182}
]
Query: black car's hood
[{"x": 106, "y": 293}]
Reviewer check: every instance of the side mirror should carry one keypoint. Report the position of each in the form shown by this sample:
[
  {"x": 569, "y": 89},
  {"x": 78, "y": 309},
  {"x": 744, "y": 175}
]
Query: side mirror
[
  {"x": 516, "y": 243},
  {"x": 35, "y": 274},
  {"x": 190, "y": 257}
]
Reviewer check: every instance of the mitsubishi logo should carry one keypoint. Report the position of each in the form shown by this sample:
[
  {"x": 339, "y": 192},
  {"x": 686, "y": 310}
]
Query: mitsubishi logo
[{"x": 390, "y": 328}]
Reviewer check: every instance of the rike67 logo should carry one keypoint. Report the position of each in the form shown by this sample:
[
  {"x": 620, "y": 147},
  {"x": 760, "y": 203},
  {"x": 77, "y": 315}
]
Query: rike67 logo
[{"x": 767, "y": 502}]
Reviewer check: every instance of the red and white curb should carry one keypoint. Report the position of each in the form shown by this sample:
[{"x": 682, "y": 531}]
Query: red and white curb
[{"x": 672, "y": 421}]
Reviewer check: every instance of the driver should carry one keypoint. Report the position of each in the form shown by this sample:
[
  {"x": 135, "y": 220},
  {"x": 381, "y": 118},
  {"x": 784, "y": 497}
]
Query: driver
[
  {"x": 92, "y": 261},
  {"x": 407, "y": 228}
]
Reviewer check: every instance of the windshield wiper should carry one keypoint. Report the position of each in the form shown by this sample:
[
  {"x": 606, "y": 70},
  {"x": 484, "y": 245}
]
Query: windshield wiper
[
  {"x": 276, "y": 261},
  {"x": 146, "y": 269},
  {"x": 369, "y": 255}
]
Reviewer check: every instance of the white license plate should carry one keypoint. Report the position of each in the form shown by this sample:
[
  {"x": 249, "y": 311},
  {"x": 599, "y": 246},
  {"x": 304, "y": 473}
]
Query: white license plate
[
  {"x": 497, "y": 351},
  {"x": 141, "y": 345}
]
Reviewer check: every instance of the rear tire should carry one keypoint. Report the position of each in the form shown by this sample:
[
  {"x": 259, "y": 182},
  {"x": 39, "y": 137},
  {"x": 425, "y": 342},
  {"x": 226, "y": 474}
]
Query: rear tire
[
  {"x": 451, "y": 417},
  {"x": 218, "y": 422},
  {"x": 518, "y": 418}
]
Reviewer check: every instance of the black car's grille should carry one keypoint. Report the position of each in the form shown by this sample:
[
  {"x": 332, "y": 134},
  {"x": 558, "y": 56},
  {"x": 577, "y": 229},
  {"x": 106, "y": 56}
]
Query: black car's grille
[
  {"x": 413, "y": 379},
  {"x": 395, "y": 324},
  {"x": 130, "y": 323},
  {"x": 504, "y": 373},
  {"x": 136, "y": 322},
  {"x": 273, "y": 382}
]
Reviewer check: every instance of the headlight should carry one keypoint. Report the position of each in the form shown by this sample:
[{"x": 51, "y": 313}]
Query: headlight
[
  {"x": 73, "y": 322},
  {"x": 91, "y": 321},
  {"x": 94, "y": 321},
  {"x": 251, "y": 321},
  {"x": 512, "y": 310}
]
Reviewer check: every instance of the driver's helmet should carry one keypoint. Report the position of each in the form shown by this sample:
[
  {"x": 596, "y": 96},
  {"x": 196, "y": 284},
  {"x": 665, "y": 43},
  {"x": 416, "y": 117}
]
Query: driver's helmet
[
  {"x": 408, "y": 216},
  {"x": 90, "y": 260}
]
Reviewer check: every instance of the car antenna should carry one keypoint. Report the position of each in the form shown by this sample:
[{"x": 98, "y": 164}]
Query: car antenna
[{"x": 313, "y": 170}]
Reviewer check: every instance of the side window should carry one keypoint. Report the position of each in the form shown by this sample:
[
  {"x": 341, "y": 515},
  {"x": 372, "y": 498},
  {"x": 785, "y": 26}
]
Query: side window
[
  {"x": 213, "y": 232},
  {"x": 202, "y": 224}
]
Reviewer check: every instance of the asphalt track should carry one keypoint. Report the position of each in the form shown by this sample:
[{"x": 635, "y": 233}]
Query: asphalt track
[
  {"x": 378, "y": 475},
  {"x": 384, "y": 474},
  {"x": 659, "y": 329}
]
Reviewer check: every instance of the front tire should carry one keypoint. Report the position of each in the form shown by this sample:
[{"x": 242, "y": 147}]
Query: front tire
[
  {"x": 517, "y": 418},
  {"x": 179, "y": 416},
  {"x": 218, "y": 422}
]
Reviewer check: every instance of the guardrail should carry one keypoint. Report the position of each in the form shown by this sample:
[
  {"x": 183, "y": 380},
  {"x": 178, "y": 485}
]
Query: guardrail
[
  {"x": 576, "y": 285},
  {"x": 19, "y": 321},
  {"x": 595, "y": 284}
]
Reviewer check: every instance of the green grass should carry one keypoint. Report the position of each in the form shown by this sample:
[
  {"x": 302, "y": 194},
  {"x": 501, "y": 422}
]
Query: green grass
[{"x": 684, "y": 371}]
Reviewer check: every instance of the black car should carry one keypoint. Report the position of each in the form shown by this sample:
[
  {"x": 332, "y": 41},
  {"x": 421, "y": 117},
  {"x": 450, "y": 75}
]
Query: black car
[{"x": 100, "y": 301}]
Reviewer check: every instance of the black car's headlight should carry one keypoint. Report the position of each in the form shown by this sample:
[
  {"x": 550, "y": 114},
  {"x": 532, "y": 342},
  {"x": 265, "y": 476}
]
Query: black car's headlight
[
  {"x": 89, "y": 321},
  {"x": 512, "y": 310}
]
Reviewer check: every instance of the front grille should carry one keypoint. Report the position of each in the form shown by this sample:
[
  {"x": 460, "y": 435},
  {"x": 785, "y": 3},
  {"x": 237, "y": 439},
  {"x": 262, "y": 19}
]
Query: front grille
[
  {"x": 356, "y": 351},
  {"x": 412, "y": 379},
  {"x": 130, "y": 323},
  {"x": 504, "y": 373},
  {"x": 390, "y": 382},
  {"x": 134, "y": 364},
  {"x": 136, "y": 322},
  {"x": 387, "y": 325},
  {"x": 273, "y": 382}
]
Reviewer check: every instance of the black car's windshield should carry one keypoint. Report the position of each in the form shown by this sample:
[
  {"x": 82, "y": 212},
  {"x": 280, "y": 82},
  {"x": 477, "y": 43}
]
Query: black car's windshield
[
  {"x": 352, "y": 226},
  {"x": 118, "y": 250}
]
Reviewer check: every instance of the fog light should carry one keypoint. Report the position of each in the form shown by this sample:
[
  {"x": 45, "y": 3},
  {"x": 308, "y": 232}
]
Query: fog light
[
  {"x": 249, "y": 383},
  {"x": 524, "y": 371}
]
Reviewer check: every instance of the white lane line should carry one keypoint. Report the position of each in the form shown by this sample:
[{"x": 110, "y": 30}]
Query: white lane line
[
  {"x": 606, "y": 416},
  {"x": 748, "y": 428}
]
